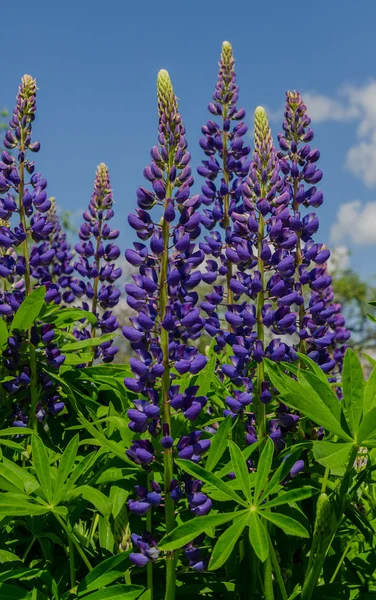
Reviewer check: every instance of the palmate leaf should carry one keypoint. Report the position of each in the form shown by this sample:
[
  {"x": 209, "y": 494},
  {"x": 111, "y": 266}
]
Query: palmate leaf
[
  {"x": 88, "y": 343},
  {"x": 29, "y": 310},
  {"x": 218, "y": 444},
  {"x": 240, "y": 468},
  {"x": 105, "y": 573},
  {"x": 335, "y": 456},
  {"x": 3, "y": 333},
  {"x": 288, "y": 524},
  {"x": 185, "y": 533},
  {"x": 304, "y": 399},
  {"x": 295, "y": 495},
  {"x": 213, "y": 480},
  {"x": 353, "y": 389},
  {"x": 41, "y": 465},
  {"x": 11, "y": 592},
  {"x": 263, "y": 467},
  {"x": 258, "y": 536},
  {"x": 95, "y": 497},
  {"x": 30, "y": 483},
  {"x": 367, "y": 429},
  {"x": 119, "y": 592},
  {"x": 370, "y": 393},
  {"x": 279, "y": 474},
  {"x": 19, "y": 505},
  {"x": 66, "y": 464},
  {"x": 226, "y": 542}
]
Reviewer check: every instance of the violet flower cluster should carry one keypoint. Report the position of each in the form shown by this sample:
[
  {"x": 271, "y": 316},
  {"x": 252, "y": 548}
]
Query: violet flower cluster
[
  {"x": 58, "y": 274},
  {"x": 96, "y": 266},
  {"x": 24, "y": 201}
]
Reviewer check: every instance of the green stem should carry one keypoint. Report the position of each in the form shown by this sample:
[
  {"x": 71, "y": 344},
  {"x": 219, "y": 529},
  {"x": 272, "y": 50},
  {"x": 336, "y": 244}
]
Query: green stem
[
  {"x": 74, "y": 542},
  {"x": 72, "y": 566},
  {"x": 93, "y": 528},
  {"x": 298, "y": 261},
  {"x": 316, "y": 563},
  {"x": 29, "y": 548},
  {"x": 166, "y": 411},
  {"x": 226, "y": 207},
  {"x": 25, "y": 252},
  {"x": 277, "y": 570},
  {"x": 149, "y": 526},
  {"x": 268, "y": 580},
  {"x": 260, "y": 409},
  {"x": 344, "y": 554}
]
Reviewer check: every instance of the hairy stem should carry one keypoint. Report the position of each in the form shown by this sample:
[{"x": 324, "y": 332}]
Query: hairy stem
[
  {"x": 149, "y": 526},
  {"x": 268, "y": 580},
  {"x": 260, "y": 410},
  {"x": 226, "y": 207},
  {"x": 166, "y": 411},
  {"x": 277, "y": 570}
]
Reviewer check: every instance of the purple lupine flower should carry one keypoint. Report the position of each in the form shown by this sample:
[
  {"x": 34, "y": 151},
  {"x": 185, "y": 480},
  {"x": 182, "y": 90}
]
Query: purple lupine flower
[
  {"x": 21, "y": 198},
  {"x": 224, "y": 169},
  {"x": 147, "y": 550},
  {"x": 56, "y": 276},
  {"x": 321, "y": 326},
  {"x": 146, "y": 499},
  {"x": 162, "y": 293},
  {"x": 96, "y": 265}
]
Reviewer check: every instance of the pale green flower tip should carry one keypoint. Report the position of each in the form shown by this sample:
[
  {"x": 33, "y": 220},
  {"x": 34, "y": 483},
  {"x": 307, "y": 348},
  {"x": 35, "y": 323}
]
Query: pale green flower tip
[
  {"x": 226, "y": 52},
  {"x": 164, "y": 81},
  {"x": 261, "y": 119}
]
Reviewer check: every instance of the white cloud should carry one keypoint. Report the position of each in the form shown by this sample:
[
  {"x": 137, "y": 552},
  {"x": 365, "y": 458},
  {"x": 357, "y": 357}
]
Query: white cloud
[
  {"x": 323, "y": 108},
  {"x": 356, "y": 223},
  {"x": 339, "y": 259}
]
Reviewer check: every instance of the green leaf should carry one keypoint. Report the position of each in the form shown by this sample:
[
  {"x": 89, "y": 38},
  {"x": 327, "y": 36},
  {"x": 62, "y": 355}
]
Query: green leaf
[
  {"x": 66, "y": 464},
  {"x": 367, "y": 429},
  {"x": 120, "y": 592},
  {"x": 88, "y": 343},
  {"x": 15, "y": 431},
  {"x": 208, "y": 477},
  {"x": 218, "y": 444},
  {"x": 289, "y": 525},
  {"x": 29, "y": 310},
  {"x": 263, "y": 467},
  {"x": 206, "y": 376},
  {"x": 105, "y": 573},
  {"x": 18, "y": 505},
  {"x": 353, "y": 389},
  {"x": 67, "y": 316},
  {"x": 335, "y": 456},
  {"x": 3, "y": 333},
  {"x": 240, "y": 468},
  {"x": 313, "y": 367},
  {"x": 258, "y": 537},
  {"x": 30, "y": 483},
  {"x": 115, "y": 447},
  {"x": 42, "y": 466},
  {"x": 11, "y": 592},
  {"x": 323, "y": 389},
  {"x": 304, "y": 399},
  {"x": 95, "y": 497},
  {"x": 185, "y": 533},
  {"x": 295, "y": 495},
  {"x": 370, "y": 392},
  {"x": 280, "y": 473},
  {"x": 226, "y": 542}
]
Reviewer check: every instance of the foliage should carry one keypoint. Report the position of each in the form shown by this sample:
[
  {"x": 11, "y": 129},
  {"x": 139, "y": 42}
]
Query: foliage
[{"x": 233, "y": 455}]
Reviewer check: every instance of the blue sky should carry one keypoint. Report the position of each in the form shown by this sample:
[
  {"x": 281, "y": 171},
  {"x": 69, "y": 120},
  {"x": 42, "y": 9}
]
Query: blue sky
[{"x": 96, "y": 65}]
